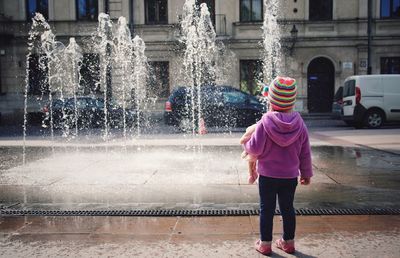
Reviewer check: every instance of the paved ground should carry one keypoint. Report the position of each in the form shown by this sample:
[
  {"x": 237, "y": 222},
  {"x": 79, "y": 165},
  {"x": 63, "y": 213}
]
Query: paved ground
[
  {"x": 317, "y": 236},
  {"x": 360, "y": 164},
  {"x": 187, "y": 177}
]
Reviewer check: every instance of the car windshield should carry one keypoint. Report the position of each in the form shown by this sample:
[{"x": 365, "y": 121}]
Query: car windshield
[
  {"x": 338, "y": 94},
  {"x": 234, "y": 97},
  {"x": 82, "y": 103},
  {"x": 58, "y": 103},
  {"x": 99, "y": 103},
  {"x": 349, "y": 88},
  {"x": 213, "y": 95}
]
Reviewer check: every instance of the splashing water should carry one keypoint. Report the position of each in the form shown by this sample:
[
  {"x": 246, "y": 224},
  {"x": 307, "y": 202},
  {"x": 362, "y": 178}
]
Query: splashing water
[
  {"x": 39, "y": 25},
  {"x": 124, "y": 63},
  {"x": 51, "y": 60},
  {"x": 70, "y": 82},
  {"x": 42, "y": 42},
  {"x": 131, "y": 62},
  {"x": 226, "y": 61},
  {"x": 140, "y": 76},
  {"x": 271, "y": 33},
  {"x": 119, "y": 55},
  {"x": 200, "y": 54},
  {"x": 104, "y": 33}
]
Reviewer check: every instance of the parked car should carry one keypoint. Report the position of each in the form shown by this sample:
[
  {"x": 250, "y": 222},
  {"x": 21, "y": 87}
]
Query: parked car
[
  {"x": 221, "y": 106},
  {"x": 337, "y": 105},
  {"x": 90, "y": 113},
  {"x": 371, "y": 100}
]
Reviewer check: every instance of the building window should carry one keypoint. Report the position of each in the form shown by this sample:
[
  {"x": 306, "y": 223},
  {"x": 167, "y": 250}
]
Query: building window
[
  {"x": 38, "y": 75},
  {"x": 87, "y": 9},
  {"x": 156, "y": 11},
  {"x": 390, "y": 8},
  {"x": 251, "y": 10},
  {"x": 37, "y": 6},
  {"x": 390, "y": 65},
  {"x": 158, "y": 86},
  {"x": 90, "y": 74},
  {"x": 250, "y": 74},
  {"x": 320, "y": 10}
]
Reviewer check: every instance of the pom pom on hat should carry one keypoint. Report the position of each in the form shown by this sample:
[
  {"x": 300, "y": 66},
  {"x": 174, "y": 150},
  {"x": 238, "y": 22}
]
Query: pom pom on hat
[
  {"x": 265, "y": 91},
  {"x": 264, "y": 88},
  {"x": 282, "y": 93}
]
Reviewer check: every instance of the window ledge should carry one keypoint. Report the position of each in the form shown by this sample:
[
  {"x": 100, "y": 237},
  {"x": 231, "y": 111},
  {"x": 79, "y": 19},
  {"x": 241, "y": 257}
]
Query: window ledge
[
  {"x": 154, "y": 25},
  {"x": 388, "y": 19},
  {"x": 249, "y": 23}
]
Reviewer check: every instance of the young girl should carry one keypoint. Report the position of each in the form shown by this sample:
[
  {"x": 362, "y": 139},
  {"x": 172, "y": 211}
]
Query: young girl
[{"x": 281, "y": 146}]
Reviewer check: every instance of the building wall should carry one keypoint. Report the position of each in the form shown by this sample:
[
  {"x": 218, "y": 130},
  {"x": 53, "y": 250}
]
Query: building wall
[
  {"x": 342, "y": 40},
  {"x": 62, "y": 10}
]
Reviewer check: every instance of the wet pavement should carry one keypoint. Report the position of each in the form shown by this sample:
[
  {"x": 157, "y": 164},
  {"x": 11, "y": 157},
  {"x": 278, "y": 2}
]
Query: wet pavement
[
  {"x": 186, "y": 177},
  {"x": 317, "y": 236},
  {"x": 353, "y": 169}
]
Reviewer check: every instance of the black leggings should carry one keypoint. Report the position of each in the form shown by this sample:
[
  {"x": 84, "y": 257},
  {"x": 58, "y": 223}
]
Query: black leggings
[{"x": 269, "y": 188}]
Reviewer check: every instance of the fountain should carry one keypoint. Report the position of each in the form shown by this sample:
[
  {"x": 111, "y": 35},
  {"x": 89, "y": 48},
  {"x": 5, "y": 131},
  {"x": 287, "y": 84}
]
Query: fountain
[
  {"x": 70, "y": 81},
  {"x": 132, "y": 65},
  {"x": 123, "y": 57},
  {"x": 104, "y": 46},
  {"x": 123, "y": 70},
  {"x": 140, "y": 76},
  {"x": 200, "y": 54},
  {"x": 165, "y": 175},
  {"x": 42, "y": 41},
  {"x": 272, "y": 60},
  {"x": 120, "y": 56}
]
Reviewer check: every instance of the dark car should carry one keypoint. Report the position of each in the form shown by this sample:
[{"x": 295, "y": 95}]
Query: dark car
[
  {"x": 221, "y": 106},
  {"x": 89, "y": 111}
]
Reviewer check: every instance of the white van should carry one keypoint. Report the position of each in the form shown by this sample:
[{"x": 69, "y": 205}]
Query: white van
[{"x": 371, "y": 100}]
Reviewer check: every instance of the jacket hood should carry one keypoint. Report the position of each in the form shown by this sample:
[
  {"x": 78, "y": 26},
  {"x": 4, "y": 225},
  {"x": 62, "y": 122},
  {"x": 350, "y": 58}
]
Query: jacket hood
[{"x": 283, "y": 128}]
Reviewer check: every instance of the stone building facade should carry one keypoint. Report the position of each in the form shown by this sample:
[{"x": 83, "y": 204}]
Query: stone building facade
[{"x": 323, "y": 42}]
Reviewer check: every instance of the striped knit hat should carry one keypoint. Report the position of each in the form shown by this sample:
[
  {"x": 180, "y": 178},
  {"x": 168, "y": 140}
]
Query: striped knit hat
[{"x": 282, "y": 93}]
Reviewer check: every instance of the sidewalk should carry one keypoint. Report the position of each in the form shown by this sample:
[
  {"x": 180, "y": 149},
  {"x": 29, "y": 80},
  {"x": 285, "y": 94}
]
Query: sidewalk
[
  {"x": 382, "y": 139},
  {"x": 317, "y": 236}
]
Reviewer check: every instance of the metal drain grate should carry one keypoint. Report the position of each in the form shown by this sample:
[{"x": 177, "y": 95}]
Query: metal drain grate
[{"x": 161, "y": 213}]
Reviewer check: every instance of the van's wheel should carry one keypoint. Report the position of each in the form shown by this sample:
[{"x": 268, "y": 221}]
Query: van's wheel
[{"x": 374, "y": 118}]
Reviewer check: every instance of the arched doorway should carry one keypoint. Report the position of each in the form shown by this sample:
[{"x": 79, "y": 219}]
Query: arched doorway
[{"x": 320, "y": 85}]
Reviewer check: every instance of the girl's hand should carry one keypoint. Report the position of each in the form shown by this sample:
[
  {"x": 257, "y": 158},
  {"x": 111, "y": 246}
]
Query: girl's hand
[
  {"x": 305, "y": 180},
  {"x": 251, "y": 180},
  {"x": 253, "y": 172}
]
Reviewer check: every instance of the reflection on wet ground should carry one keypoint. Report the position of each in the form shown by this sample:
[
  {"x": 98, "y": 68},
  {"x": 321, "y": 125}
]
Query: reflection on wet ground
[
  {"x": 181, "y": 177},
  {"x": 316, "y": 236}
]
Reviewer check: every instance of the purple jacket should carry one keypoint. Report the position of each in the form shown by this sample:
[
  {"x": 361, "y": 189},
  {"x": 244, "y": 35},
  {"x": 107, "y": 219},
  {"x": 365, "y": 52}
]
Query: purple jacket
[{"x": 281, "y": 145}]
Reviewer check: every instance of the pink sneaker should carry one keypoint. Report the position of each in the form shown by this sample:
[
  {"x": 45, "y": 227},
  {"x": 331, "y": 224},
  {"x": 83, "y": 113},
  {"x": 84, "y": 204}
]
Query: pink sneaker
[
  {"x": 287, "y": 246},
  {"x": 264, "y": 249}
]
